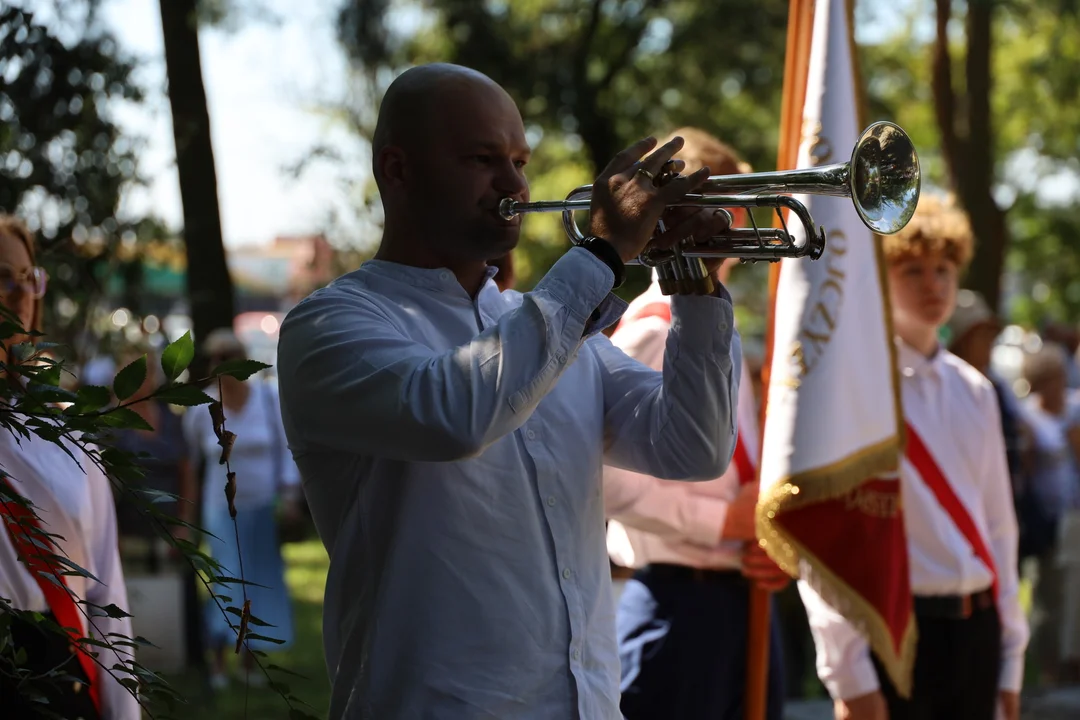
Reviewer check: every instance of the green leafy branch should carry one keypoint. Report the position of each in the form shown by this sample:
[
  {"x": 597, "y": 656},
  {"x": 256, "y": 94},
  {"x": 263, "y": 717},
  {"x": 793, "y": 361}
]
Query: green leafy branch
[{"x": 33, "y": 402}]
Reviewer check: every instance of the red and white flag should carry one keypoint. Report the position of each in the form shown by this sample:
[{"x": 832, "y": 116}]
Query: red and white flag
[{"x": 829, "y": 510}]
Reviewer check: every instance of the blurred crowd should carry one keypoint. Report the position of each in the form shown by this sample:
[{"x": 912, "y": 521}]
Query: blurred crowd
[{"x": 1037, "y": 379}]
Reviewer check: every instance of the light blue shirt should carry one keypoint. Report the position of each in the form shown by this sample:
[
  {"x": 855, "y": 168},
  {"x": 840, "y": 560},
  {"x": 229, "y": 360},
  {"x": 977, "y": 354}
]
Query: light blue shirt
[{"x": 451, "y": 453}]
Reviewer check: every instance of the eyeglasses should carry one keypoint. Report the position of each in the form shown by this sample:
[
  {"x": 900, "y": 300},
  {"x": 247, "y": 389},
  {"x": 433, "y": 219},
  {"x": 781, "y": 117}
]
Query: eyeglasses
[{"x": 32, "y": 280}]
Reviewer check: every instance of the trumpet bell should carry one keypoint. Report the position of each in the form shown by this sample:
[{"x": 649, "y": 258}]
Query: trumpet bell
[{"x": 885, "y": 179}]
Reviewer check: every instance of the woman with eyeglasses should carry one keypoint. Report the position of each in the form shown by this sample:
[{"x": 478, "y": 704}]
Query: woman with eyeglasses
[
  {"x": 74, "y": 505},
  {"x": 266, "y": 477}
]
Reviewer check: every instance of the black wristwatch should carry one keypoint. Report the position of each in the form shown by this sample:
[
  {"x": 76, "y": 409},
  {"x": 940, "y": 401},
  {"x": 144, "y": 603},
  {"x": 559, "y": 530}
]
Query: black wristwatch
[{"x": 607, "y": 253}]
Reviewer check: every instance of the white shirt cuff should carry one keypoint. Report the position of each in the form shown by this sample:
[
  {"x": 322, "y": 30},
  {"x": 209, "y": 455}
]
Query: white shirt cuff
[
  {"x": 855, "y": 681},
  {"x": 1012, "y": 674}
]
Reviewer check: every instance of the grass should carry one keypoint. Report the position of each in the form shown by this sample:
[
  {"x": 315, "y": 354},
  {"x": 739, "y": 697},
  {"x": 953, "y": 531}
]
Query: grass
[{"x": 306, "y": 565}]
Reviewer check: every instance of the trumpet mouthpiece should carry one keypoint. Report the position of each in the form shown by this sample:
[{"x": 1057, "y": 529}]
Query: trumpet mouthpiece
[{"x": 506, "y": 208}]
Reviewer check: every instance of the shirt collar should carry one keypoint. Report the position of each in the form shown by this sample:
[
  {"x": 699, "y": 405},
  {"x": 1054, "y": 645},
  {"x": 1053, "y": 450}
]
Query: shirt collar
[
  {"x": 438, "y": 279},
  {"x": 911, "y": 362}
]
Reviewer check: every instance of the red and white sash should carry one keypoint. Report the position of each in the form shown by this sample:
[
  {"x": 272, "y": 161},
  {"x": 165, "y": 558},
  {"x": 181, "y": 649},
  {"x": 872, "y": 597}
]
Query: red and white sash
[{"x": 935, "y": 479}]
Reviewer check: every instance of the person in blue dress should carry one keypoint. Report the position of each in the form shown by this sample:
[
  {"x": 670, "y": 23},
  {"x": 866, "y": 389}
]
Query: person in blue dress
[{"x": 266, "y": 478}]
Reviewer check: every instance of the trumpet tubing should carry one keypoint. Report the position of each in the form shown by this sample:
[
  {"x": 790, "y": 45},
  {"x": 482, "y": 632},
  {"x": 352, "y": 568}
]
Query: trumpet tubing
[{"x": 882, "y": 179}]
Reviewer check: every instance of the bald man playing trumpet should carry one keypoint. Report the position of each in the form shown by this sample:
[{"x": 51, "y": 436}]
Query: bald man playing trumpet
[{"x": 450, "y": 436}]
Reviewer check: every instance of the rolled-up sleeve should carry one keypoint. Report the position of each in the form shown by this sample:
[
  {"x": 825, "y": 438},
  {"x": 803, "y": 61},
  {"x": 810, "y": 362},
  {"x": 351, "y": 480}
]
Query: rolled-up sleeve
[
  {"x": 843, "y": 653},
  {"x": 678, "y": 424},
  {"x": 351, "y": 380},
  {"x": 663, "y": 507}
]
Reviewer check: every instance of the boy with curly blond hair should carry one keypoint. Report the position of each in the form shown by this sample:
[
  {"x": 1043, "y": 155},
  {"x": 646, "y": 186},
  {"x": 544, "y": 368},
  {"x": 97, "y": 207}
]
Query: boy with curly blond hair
[{"x": 958, "y": 511}]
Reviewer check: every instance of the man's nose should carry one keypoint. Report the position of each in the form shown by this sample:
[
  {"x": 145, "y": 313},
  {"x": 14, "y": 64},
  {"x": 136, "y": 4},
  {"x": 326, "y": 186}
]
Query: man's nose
[{"x": 511, "y": 181}]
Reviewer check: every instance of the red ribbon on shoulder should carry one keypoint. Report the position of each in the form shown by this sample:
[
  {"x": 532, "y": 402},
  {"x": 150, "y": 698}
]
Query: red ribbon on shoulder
[{"x": 34, "y": 549}]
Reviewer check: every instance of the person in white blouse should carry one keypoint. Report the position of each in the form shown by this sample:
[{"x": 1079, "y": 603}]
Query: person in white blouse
[
  {"x": 682, "y": 620},
  {"x": 450, "y": 436},
  {"x": 75, "y": 504},
  {"x": 958, "y": 511}
]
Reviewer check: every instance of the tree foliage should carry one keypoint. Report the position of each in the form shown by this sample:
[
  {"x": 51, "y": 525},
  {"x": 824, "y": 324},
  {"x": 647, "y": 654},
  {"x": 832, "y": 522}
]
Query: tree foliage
[
  {"x": 592, "y": 76},
  {"x": 1035, "y": 121},
  {"x": 33, "y": 402},
  {"x": 64, "y": 162}
]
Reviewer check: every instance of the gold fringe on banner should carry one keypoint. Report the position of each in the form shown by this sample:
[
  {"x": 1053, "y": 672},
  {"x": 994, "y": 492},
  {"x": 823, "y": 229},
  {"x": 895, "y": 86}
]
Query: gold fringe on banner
[{"x": 830, "y": 482}]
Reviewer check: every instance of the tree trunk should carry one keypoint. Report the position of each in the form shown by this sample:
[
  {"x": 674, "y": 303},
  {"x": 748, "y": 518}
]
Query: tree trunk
[
  {"x": 987, "y": 219},
  {"x": 967, "y": 142},
  {"x": 209, "y": 285},
  {"x": 597, "y": 130}
]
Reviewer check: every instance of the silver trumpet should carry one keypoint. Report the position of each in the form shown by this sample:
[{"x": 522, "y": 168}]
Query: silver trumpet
[{"x": 882, "y": 179}]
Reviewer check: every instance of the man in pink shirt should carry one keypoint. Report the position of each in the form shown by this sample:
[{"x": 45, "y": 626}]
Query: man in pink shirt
[{"x": 682, "y": 620}]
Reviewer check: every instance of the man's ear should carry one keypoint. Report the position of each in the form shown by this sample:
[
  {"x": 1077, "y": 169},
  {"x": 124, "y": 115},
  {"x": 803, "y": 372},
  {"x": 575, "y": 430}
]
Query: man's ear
[{"x": 393, "y": 166}]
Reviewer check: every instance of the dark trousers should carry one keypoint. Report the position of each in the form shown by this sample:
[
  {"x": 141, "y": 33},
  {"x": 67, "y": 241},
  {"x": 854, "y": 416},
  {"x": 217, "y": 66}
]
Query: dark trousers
[
  {"x": 956, "y": 669},
  {"x": 61, "y": 679},
  {"x": 682, "y": 643}
]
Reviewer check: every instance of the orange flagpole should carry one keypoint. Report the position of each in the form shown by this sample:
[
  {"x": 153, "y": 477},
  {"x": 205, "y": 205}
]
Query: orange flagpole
[{"x": 796, "y": 65}]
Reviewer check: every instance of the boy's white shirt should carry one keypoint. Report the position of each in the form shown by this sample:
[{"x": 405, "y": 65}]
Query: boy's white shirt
[{"x": 954, "y": 409}]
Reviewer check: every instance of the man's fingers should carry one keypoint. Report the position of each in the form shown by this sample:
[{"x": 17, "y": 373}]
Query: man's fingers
[
  {"x": 762, "y": 568},
  {"x": 655, "y": 162},
  {"x": 772, "y": 580},
  {"x": 674, "y": 166},
  {"x": 759, "y": 568},
  {"x": 701, "y": 223},
  {"x": 715, "y": 222},
  {"x": 675, "y": 216},
  {"x": 756, "y": 554},
  {"x": 676, "y": 231},
  {"x": 626, "y": 159},
  {"x": 768, "y": 573},
  {"x": 775, "y": 585},
  {"x": 674, "y": 191}
]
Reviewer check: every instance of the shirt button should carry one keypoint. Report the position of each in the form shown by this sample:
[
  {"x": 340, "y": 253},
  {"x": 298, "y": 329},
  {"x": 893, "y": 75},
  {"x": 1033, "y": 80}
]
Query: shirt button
[
  {"x": 562, "y": 359},
  {"x": 444, "y": 275},
  {"x": 722, "y": 325},
  {"x": 530, "y": 434},
  {"x": 551, "y": 501},
  {"x": 575, "y": 653},
  {"x": 566, "y": 573}
]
